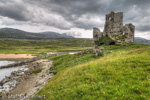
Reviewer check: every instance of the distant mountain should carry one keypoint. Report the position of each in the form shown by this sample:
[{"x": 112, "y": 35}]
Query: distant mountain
[
  {"x": 73, "y": 34},
  {"x": 19, "y": 34},
  {"x": 136, "y": 38},
  {"x": 141, "y": 40},
  {"x": 55, "y": 35}
]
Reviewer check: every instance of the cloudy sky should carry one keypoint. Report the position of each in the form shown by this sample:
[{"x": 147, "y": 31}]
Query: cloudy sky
[{"x": 72, "y": 15}]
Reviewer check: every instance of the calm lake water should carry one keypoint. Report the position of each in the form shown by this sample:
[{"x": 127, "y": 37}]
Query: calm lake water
[
  {"x": 71, "y": 53},
  {"x": 8, "y": 71},
  {"x": 2, "y": 63}
]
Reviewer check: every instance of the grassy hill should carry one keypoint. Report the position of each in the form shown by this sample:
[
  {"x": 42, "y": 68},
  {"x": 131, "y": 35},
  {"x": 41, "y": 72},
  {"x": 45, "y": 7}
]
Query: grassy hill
[
  {"x": 19, "y": 34},
  {"x": 121, "y": 73}
]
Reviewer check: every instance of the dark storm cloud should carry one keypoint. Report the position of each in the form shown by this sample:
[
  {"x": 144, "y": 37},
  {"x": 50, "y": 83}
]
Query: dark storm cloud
[
  {"x": 14, "y": 10},
  {"x": 80, "y": 7},
  {"x": 72, "y": 10},
  {"x": 79, "y": 13},
  {"x": 143, "y": 28}
]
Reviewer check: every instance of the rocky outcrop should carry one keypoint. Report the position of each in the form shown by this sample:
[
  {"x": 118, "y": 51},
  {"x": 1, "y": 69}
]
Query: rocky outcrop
[{"x": 113, "y": 27}]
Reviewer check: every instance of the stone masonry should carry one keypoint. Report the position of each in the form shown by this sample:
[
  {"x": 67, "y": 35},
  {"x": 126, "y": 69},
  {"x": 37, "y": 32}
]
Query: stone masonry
[
  {"x": 114, "y": 23},
  {"x": 114, "y": 26}
]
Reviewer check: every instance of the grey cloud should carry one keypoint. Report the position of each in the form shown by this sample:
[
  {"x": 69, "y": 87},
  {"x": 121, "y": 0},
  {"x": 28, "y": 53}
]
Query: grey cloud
[
  {"x": 143, "y": 28},
  {"x": 13, "y": 10},
  {"x": 72, "y": 10}
]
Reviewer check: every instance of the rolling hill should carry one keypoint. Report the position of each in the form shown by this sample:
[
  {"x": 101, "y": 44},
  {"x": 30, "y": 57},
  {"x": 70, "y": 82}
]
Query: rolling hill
[{"x": 19, "y": 34}]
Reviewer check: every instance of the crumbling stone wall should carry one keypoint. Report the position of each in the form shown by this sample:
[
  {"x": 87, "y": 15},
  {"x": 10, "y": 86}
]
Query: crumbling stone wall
[
  {"x": 96, "y": 34},
  {"x": 114, "y": 23},
  {"x": 129, "y": 32},
  {"x": 114, "y": 26}
]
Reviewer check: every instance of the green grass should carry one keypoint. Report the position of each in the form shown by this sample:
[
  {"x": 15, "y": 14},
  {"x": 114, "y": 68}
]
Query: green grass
[
  {"x": 38, "y": 47},
  {"x": 123, "y": 74},
  {"x": 66, "y": 61},
  {"x": 37, "y": 71}
]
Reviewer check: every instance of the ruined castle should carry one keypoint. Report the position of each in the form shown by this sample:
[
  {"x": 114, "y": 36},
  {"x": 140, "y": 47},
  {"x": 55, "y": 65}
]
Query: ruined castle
[{"x": 113, "y": 28}]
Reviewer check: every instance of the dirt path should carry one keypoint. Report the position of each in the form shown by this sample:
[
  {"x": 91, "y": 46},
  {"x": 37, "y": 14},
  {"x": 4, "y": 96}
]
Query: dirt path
[{"x": 31, "y": 83}]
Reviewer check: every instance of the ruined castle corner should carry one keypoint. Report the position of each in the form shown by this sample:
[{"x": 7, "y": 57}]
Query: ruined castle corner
[{"x": 128, "y": 32}]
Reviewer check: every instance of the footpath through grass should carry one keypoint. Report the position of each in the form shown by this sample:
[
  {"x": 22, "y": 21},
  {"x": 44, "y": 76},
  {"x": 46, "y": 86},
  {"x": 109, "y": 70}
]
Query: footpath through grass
[{"x": 123, "y": 74}]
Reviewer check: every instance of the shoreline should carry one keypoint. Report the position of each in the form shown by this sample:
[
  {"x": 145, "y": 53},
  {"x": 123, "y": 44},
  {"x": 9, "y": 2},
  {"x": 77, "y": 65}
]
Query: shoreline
[
  {"x": 29, "y": 83},
  {"x": 16, "y": 60},
  {"x": 16, "y": 56}
]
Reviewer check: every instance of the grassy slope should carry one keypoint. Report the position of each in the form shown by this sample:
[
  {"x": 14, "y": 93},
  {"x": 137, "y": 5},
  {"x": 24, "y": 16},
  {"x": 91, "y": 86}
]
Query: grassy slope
[
  {"x": 42, "y": 46},
  {"x": 122, "y": 74}
]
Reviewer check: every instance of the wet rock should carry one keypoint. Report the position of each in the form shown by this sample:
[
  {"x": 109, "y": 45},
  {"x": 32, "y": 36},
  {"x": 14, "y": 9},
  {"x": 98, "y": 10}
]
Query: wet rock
[
  {"x": 11, "y": 85},
  {"x": 4, "y": 91},
  {"x": 20, "y": 71},
  {"x": 13, "y": 73}
]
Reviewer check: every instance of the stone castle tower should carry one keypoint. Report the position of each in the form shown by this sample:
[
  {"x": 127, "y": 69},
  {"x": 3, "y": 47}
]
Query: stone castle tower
[
  {"x": 114, "y": 26},
  {"x": 114, "y": 23}
]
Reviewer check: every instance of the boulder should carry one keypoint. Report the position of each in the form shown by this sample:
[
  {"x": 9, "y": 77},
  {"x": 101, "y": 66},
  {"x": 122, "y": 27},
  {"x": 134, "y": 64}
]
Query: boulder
[{"x": 97, "y": 51}]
